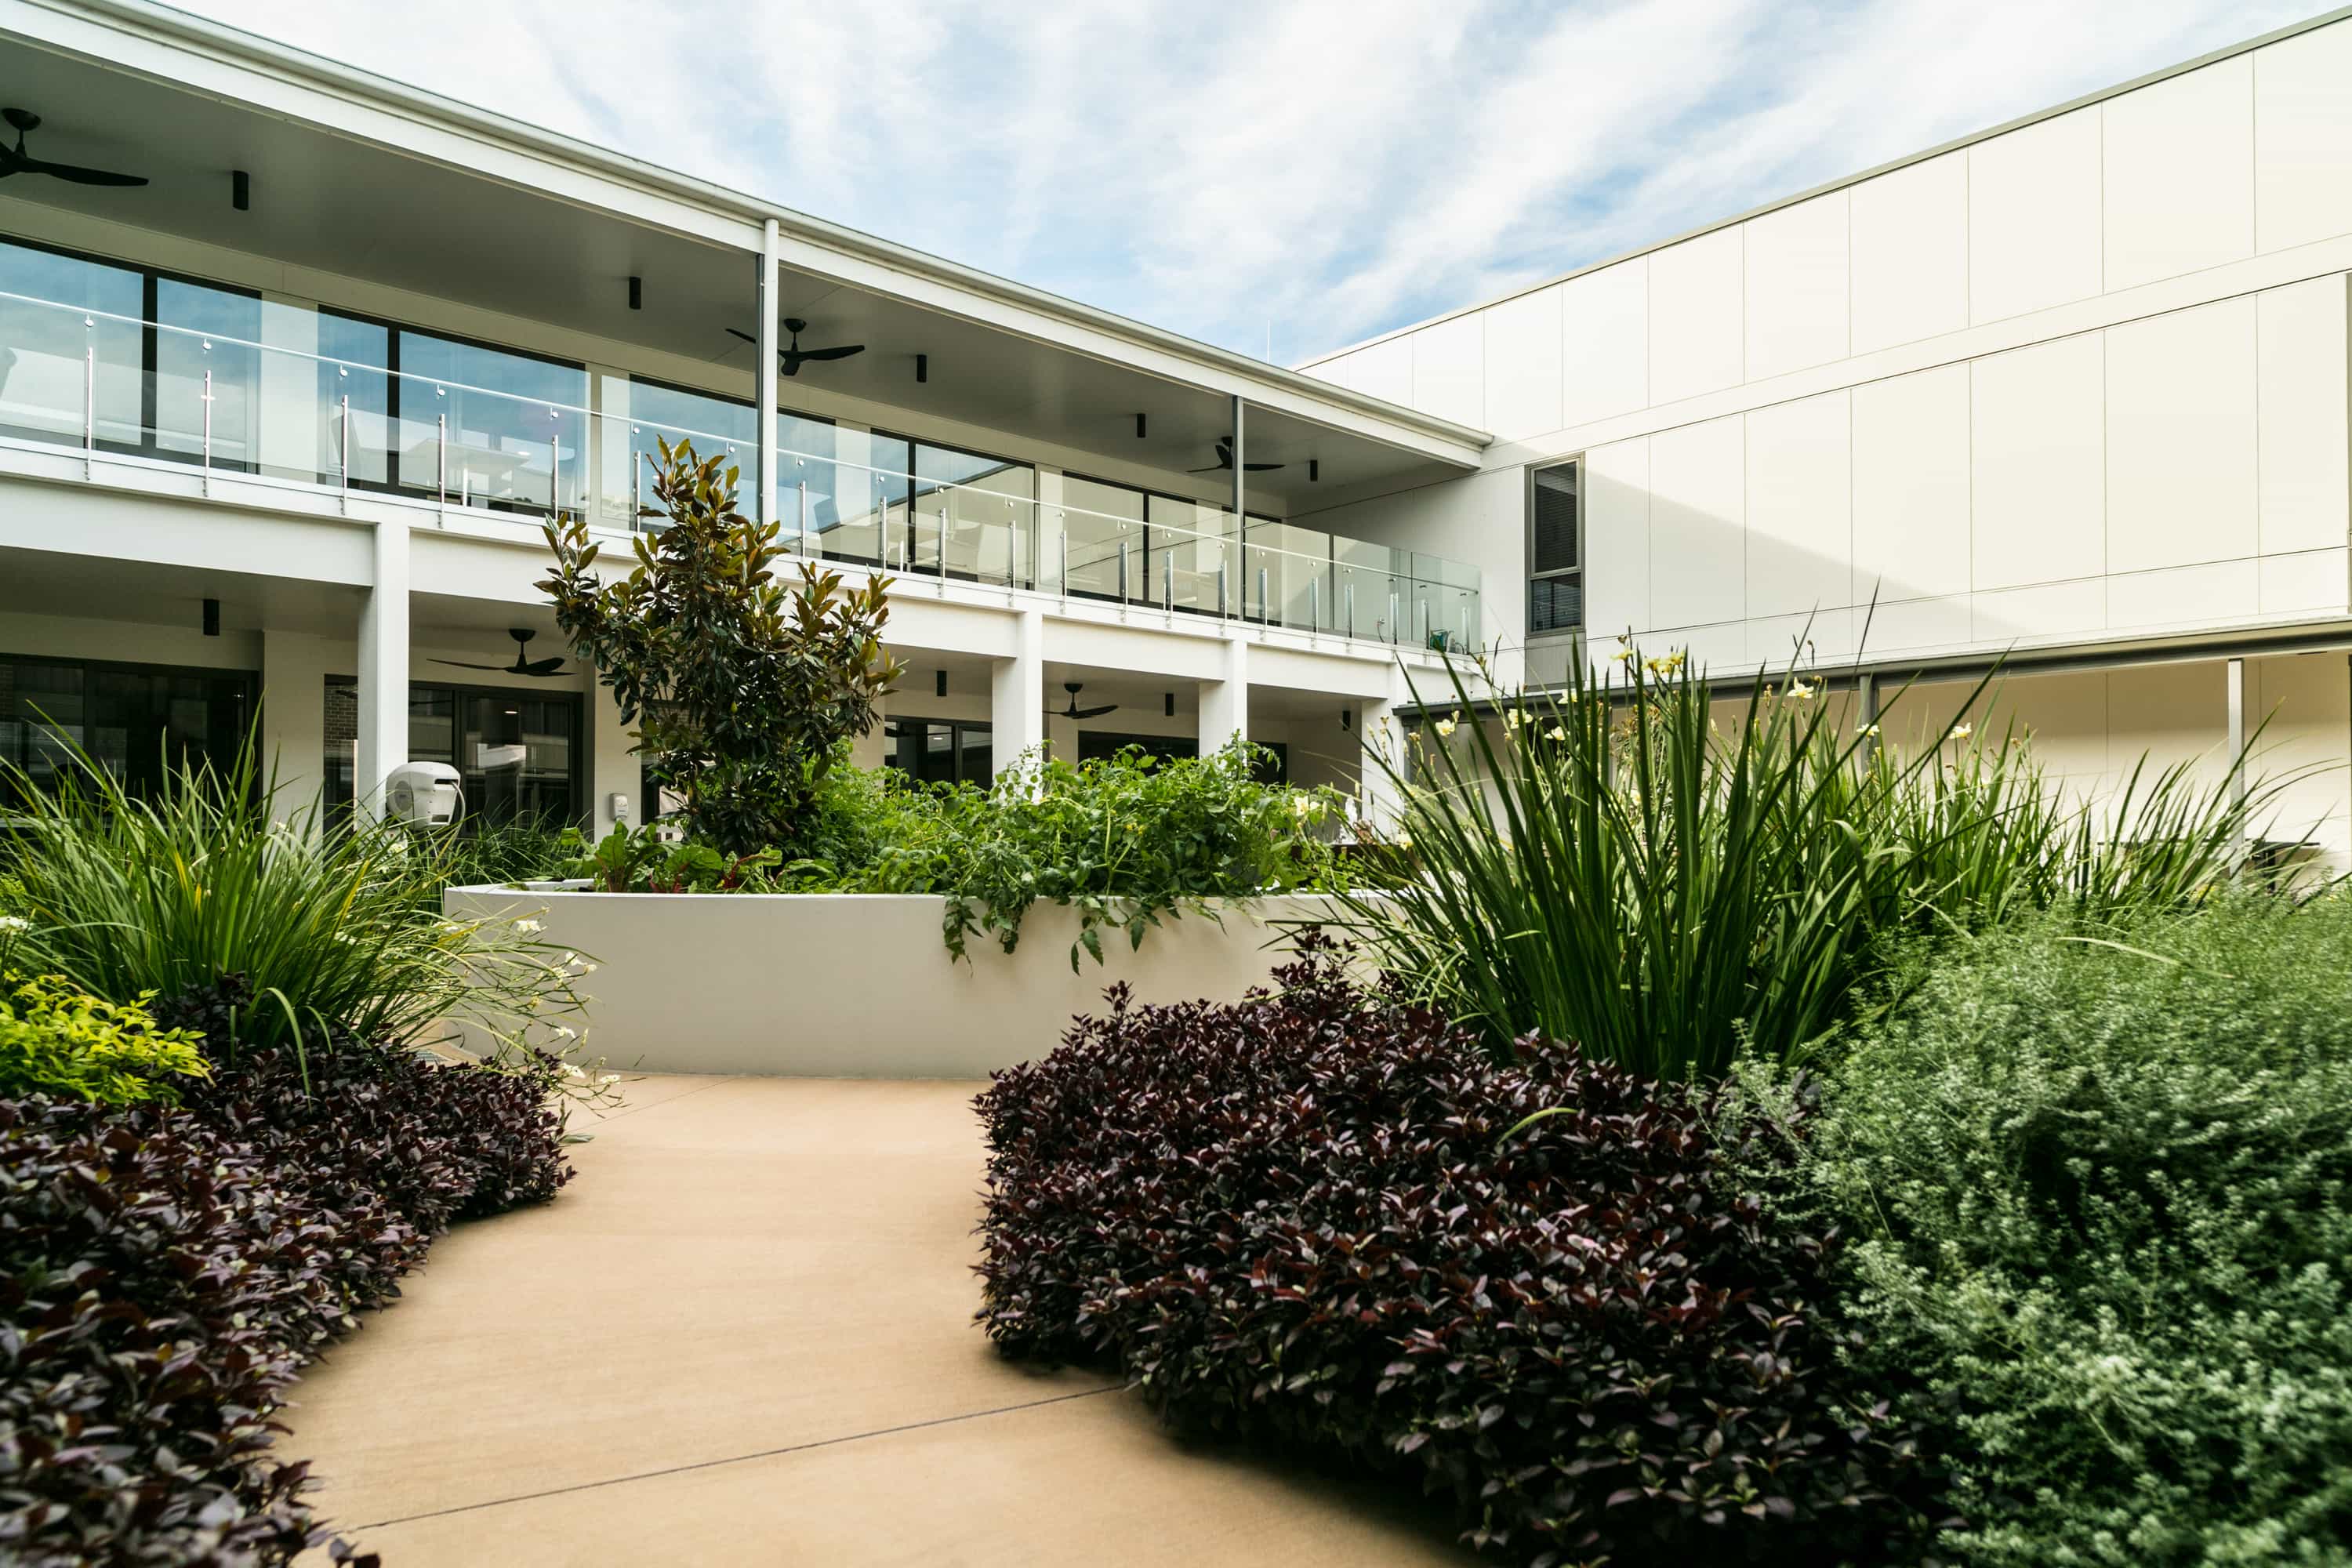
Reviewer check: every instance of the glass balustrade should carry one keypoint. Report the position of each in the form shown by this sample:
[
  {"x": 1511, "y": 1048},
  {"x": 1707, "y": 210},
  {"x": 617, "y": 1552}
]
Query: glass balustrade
[{"x": 78, "y": 376}]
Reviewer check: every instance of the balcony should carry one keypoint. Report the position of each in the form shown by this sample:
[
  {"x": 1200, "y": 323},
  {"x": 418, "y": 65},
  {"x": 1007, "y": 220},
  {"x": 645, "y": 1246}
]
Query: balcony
[{"x": 229, "y": 384}]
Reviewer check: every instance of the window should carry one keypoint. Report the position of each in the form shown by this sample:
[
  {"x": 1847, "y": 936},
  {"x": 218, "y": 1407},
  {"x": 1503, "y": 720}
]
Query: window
[
  {"x": 940, "y": 751},
  {"x": 1555, "y": 553},
  {"x": 490, "y": 427},
  {"x": 639, "y": 415},
  {"x": 517, "y": 752},
  {"x": 134, "y": 721}
]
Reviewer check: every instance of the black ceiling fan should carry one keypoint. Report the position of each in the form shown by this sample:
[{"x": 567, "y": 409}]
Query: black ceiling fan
[
  {"x": 1225, "y": 461},
  {"x": 1074, "y": 710},
  {"x": 536, "y": 669},
  {"x": 791, "y": 358},
  {"x": 14, "y": 161}
]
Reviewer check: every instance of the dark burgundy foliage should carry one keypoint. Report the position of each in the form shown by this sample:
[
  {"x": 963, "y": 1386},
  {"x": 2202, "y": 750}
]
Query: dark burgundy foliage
[
  {"x": 166, "y": 1274},
  {"x": 1291, "y": 1219}
]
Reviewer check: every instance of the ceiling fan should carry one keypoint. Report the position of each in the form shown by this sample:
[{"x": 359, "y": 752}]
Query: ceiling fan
[
  {"x": 1225, "y": 461},
  {"x": 536, "y": 669},
  {"x": 792, "y": 358},
  {"x": 1074, "y": 710},
  {"x": 13, "y": 160}
]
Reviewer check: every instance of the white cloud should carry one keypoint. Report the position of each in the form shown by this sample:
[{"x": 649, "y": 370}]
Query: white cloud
[{"x": 1333, "y": 168}]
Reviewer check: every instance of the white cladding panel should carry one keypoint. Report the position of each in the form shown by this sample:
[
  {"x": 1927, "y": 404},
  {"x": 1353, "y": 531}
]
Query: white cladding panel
[
  {"x": 1449, "y": 370},
  {"x": 1698, "y": 543},
  {"x": 1911, "y": 515},
  {"x": 2303, "y": 139},
  {"x": 1696, "y": 342},
  {"x": 1797, "y": 308},
  {"x": 1522, "y": 365},
  {"x": 1911, "y": 254},
  {"x": 2180, "y": 437},
  {"x": 2179, "y": 174},
  {"x": 2303, "y": 417},
  {"x": 2038, "y": 470},
  {"x": 1800, "y": 516},
  {"x": 1384, "y": 370},
  {"x": 1617, "y": 538},
  {"x": 1605, "y": 322},
  {"x": 2033, "y": 217}
]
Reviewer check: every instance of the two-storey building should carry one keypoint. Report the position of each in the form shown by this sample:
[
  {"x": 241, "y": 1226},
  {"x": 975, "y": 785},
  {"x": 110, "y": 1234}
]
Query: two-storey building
[{"x": 295, "y": 361}]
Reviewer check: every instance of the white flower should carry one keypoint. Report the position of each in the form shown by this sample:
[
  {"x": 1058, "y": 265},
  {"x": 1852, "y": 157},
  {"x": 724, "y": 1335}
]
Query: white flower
[
  {"x": 1445, "y": 727},
  {"x": 608, "y": 1078},
  {"x": 1403, "y": 839},
  {"x": 1557, "y": 732},
  {"x": 566, "y": 1032},
  {"x": 451, "y": 927},
  {"x": 1301, "y": 806},
  {"x": 587, "y": 969},
  {"x": 1799, "y": 689},
  {"x": 569, "y": 960},
  {"x": 1962, "y": 731},
  {"x": 529, "y": 927},
  {"x": 571, "y": 1069},
  {"x": 1870, "y": 729},
  {"x": 13, "y": 925},
  {"x": 1514, "y": 719}
]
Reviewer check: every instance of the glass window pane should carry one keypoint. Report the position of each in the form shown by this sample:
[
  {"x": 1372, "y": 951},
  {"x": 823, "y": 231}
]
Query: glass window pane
[
  {"x": 639, "y": 415},
  {"x": 73, "y": 339},
  {"x": 975, "y": 764},
  {"x": 1097, "y": 519},
  {"x": 353, "y": 358},
  {"x": 199, "y": 329},
  {"x": 497, "y": 429},
  {"x": 975, "y": 513}
]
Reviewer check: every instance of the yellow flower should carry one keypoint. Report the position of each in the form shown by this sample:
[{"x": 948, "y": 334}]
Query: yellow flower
[
  {"x": 1445, "y": 727},
  {"x": 1557, "y": 732},
  {"x": 1962, "y": 731},
  {"x": 1622, "y": 656},
  {"x": 1403, "y": 839}
]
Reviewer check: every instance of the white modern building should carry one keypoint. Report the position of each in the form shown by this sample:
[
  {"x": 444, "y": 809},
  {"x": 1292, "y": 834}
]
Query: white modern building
[
  {"x": 2071, "y": 394},
  {"x": 279, "y": 428},
  {"x": 296, "y": 362}
]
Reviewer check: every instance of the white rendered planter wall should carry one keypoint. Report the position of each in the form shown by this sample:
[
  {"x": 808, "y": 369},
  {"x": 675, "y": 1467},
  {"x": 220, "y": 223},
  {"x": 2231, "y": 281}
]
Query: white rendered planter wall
[{"x": 861, "y": 985}]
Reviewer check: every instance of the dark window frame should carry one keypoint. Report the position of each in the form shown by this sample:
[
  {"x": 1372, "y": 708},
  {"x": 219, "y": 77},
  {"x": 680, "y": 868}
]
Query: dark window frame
[
  {"x": 957, "y": 730},
  {"x": 247, "y": 683},
  {"x": 1575, "y": 573},
  {"x": 584, "y": 806}
]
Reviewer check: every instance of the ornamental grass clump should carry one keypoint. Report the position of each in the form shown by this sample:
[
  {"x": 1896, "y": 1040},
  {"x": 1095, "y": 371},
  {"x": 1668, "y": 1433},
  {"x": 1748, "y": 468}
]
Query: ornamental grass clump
[
  {"x": 2100, "y": 1185},
  {"x": 334, "y": 929},
  {"x": 1305, "y": 1219},
  {"x": 1670, "y": 871}
]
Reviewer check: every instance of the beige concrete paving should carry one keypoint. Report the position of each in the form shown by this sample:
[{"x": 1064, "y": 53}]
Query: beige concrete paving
[{"x": 744, "y": 1335}]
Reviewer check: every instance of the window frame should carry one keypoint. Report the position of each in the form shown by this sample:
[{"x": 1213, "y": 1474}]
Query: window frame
[{"x": 1576, "y": 571}]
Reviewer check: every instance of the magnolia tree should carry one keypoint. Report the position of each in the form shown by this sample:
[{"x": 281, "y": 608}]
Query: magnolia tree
[{"x": 742, "y": 689}]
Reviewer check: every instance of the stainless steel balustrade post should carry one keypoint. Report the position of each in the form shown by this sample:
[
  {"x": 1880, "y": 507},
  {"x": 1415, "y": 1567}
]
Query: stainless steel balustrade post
[
  {"x": 1264, "y": 604},
  {"x": 343, "y": 451},
  {"x": 804, "y": 518},
  {"x": 637, "y": 483},
  {"x": 441, "y": 459},
  {"x": 208, "y": 428},
  {"x": 1224, "y": 611},
  {"x": 89, "y": 402},
  {"x": 1315, "y": 605},
  {"x": 1065, "y": 560},
  {"x": 1122, "y": 572},
  {"x": 1392, "y": 616},
  {"x": 1351, "y": 608},
  {"x": 1167, "y": 582}
]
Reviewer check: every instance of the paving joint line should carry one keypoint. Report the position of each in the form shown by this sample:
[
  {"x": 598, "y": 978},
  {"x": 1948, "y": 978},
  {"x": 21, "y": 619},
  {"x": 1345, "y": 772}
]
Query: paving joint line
[{"x": 730, "y": 1459}]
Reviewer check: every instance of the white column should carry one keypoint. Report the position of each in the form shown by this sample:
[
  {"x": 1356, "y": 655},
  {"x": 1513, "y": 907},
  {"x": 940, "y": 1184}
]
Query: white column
[
  {"x": 2234, "y": 680},
  {"x": 769, "y": 245},
  {"x": 1378, "y": 798},
  {"x": 384, "y": 667},
  {"x": 1016, "y": 694},
  {"x": 612, "y": 767},
  {"x": 294, "y": 670},
  {"x": 1224, "y": 703}
]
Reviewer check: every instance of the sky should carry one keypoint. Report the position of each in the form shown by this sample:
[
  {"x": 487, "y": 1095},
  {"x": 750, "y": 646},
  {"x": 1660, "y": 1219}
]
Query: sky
[{"x": 1285, "y": 177}]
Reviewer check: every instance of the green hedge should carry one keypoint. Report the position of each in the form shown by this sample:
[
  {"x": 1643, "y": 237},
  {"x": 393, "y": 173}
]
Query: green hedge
[{"x": 2102, "y": 1188}]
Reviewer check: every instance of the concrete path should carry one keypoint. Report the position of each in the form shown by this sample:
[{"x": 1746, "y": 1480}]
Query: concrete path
[{"x": 744, "y": 1335}]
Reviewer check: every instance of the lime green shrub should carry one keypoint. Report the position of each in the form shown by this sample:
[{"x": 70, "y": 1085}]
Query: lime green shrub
[
  {"x": 56, "y": 1040},
  {"x": 2100, "y": 1188}
]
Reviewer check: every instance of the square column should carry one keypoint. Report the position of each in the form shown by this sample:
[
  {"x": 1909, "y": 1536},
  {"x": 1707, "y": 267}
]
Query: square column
[
  {"x": 1378, "y": 798},
  {"x": 1224, "y": 703},
  {"x": 1016, "y": 695},
  {"x": 383, "y": 669},
  {"x": 770, "y": 244}
]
